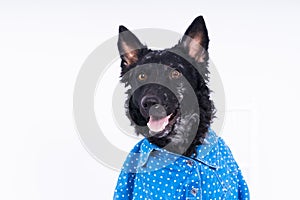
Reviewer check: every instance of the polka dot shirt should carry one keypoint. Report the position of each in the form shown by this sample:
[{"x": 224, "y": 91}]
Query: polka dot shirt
[{"x": 150, "y": 172}]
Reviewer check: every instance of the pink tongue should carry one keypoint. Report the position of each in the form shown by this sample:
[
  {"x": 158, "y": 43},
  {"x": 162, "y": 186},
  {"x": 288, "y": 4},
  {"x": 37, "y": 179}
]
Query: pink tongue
[{"x": 158, "y": 125}]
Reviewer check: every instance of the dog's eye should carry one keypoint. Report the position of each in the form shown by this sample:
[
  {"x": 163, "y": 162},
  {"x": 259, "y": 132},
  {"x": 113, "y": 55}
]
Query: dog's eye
[
  {"x": 175, "y": 74},
  {"x": 142, "y": 76}
]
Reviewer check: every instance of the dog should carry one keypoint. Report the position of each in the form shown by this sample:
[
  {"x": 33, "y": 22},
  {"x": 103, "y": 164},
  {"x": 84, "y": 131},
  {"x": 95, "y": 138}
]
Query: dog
[{"x": 169, "y": 104}]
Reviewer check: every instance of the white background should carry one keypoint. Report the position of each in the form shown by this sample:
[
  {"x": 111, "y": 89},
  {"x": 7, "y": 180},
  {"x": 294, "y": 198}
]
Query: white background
[{"x": 254, "y": 45}]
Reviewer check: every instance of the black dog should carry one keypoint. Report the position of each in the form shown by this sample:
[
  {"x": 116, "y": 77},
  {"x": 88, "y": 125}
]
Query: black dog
[
  {"x": 169, "y": 103},
  {"x": 161, "y": 82}
]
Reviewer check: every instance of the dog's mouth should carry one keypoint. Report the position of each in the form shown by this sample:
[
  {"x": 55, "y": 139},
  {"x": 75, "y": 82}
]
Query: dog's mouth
[
  {"x": 157, "y": 125},
  {"x": 160, "y": 124}
]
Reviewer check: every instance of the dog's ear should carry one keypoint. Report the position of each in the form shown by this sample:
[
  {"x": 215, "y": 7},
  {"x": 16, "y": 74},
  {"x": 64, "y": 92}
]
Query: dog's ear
[
  {"x": 130, "y": 48},
  {"x": 195, "y": 40}
]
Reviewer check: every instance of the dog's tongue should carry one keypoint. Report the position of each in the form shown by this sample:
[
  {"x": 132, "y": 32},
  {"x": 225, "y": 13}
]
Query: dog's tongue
[{"x": 157, "y": 125}]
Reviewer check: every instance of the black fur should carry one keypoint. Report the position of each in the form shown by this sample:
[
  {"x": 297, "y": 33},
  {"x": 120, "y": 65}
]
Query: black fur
[{"x": 173, "y": 95}]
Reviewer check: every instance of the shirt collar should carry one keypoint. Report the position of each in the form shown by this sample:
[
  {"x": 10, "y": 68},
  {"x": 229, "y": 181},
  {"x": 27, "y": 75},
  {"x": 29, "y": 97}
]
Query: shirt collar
[
  {"x": 145, "y": 151},
  {"x": 207, "y": 153}
]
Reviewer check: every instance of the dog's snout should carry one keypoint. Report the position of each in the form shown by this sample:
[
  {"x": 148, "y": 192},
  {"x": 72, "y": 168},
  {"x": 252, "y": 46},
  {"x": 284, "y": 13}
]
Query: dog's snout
[{"x": 148, "y": 101}]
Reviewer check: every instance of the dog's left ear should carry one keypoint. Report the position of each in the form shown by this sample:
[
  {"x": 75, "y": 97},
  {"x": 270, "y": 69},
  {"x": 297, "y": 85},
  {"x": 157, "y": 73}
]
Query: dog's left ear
[
  {"x": 130, "y": 48},
  {"x": 195, "y": 40}
]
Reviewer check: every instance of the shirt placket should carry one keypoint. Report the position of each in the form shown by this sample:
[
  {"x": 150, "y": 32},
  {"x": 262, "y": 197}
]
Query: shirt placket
[{"x": 193, "y": 189}]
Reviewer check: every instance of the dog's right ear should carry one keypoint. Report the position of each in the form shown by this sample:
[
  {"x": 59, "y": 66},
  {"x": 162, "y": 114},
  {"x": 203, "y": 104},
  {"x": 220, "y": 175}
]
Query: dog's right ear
[{"x": 130, "y": 48}]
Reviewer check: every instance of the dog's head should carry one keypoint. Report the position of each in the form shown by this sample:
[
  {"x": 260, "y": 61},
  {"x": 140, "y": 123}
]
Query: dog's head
[{"x": 168, "y": 98}]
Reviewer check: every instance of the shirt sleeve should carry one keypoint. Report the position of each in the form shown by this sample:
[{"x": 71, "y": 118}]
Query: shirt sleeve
[
  {"x": 125, "y": 184},
  {"x": 124, "y": 187},
  {"x": 243, "y": 191}
]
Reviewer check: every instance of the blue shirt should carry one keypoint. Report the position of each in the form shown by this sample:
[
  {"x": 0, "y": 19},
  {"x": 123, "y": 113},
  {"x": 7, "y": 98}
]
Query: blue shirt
[{"x": 150, "y": 172}]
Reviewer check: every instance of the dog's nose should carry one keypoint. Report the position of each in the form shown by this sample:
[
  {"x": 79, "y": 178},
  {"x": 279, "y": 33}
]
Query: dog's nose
[{"x": 148, "y": 101}]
